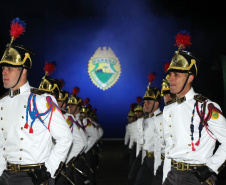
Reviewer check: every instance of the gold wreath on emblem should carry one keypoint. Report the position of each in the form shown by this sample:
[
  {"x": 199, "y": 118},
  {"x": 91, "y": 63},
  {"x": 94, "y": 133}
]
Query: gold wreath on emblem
[
  {"x": 68, "y": 121},
  {"x": 104, "y": 68},
  {"x": 48, "y": 106},
  {"x": 215, "y": 115}
]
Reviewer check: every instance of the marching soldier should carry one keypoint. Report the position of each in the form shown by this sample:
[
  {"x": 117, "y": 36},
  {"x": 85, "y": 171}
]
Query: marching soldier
[
  {"x": 77, "y": 162},
  {"x": 149, "y": 138},
  {"x": 131, "y": 118},
  {"x": 135, "y": 156},
  {"x": 93, "y": 137},
  {"x": 192, "y": 124},
  {"x": 28, "y": 123}
]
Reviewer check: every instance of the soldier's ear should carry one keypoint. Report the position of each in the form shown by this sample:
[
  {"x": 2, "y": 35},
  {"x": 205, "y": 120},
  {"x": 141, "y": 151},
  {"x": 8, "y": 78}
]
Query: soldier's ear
[
  {"x": 191, "y": 78},
  {"x": 24, "y": 71}
]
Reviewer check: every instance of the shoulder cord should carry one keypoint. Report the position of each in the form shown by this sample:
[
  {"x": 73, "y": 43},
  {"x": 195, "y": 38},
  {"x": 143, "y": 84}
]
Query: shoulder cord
[
  {"x": 34, "y": 114},
  {"x": 203, "y": 120}
]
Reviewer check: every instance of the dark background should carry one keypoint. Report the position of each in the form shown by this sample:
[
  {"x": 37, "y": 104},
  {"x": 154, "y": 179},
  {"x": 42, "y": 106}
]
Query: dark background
[{"x": 141, "y": 34}]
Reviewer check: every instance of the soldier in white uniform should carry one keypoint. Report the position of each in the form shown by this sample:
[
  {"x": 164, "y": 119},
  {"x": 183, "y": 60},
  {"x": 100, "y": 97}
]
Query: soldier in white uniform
[
  {"x": 131, "y": 118},
  {"x": 77, "y": 162},
  {"x": 192, "y": 124},
  {"x": 136, "y": 154},
  {"x": 28, "y": 123},
  {"x": 149, "y": 139},
  {"x": 93, "y": 137}
]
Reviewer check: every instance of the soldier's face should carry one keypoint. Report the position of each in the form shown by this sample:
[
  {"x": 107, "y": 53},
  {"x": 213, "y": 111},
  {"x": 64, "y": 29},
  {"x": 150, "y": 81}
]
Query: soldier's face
[
  {"x": 130, "y": 119},
  {"x": 167, "y": 97},
  {"x": 176, "y": 81},
  {"x": 71, "y": 108},
  {"x": 139, "y": 114},
  {"x": 10, "y": 76},
  {"x": 148, "y": 105}
]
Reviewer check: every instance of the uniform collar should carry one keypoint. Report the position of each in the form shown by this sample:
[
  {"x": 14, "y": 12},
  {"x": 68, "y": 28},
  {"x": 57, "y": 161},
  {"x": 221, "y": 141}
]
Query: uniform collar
[
  {"x": 190, "y": 95},
  {"x": 155, "y": 113},
  {"x": 22, "y": 89}
]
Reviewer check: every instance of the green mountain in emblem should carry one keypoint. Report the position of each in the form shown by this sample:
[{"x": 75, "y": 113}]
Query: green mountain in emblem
[{"x": 103, "y": 77}]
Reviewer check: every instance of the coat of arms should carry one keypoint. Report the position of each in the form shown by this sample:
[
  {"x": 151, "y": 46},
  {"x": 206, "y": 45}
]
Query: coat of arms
[{"x": 104, "y": 68}]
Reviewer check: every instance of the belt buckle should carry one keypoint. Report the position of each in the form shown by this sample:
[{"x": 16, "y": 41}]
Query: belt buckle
[
  {"x": 14, "y": 168},
  {"x": 180, "y": 166}
]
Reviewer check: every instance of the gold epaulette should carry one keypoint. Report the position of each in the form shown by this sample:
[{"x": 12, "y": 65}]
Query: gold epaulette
[
  {"x": 200, "y": 98},
  {"x": 36, "y": 91},
  {"x": 170, "y": 102},
  {"x": 4, "y": 95},
  {"x": 158, "y": 114},
  {"x": 146, "y": 116}
]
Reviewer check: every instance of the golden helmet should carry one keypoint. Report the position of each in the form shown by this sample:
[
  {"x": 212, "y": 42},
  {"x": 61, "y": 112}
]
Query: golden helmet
[
  {"x": 74, "y": 99},
  {"x": 165, "y": 87},
  {"x": 85, "y": 108},
  {"x": 138, "y": 107},
  {"x": 183, "y": 61},
  {"x": 15, "y": 55},
  {"x": 152, "y": 93},
  {"x": 50, "y": 85},
  {"x": 131, "y": 114},
  {"x": 63, "y": 96}
]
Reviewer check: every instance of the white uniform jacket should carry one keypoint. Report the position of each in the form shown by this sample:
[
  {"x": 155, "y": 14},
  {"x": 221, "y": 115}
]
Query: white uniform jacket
[
  {"x": 150, "y": 136},
  {"x": 133, "y": 133},
  {"x": 77, "y": 145},
  {"x": 18, "y": 144},
  {"x": 127, "y": 136},
  {"x": 92, "y": 132},
  {"x": 178, "y": 119}
]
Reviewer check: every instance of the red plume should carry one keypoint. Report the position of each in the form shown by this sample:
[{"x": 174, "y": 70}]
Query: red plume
[
  {"x": 17, "y": 28},
  {"x": 62, "y": 83},
  {"x": 151, "y": 77},
  {"x": 166, "y": 66},
  {"x": 86, "y": 101},
  {"x": 49, "y": 67},
  {"x": 75, "y": 91},
  {"x": 139, "y": 99},
  {"x": 94, "y": 110},
  {"x": 183, "y": 39}
]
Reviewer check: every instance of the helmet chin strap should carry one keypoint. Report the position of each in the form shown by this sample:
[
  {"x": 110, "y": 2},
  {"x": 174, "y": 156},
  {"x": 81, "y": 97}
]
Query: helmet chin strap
[
  {"x": 18, "y": 78},
  {"x": 184, "y": 84},
  {"x": 152, "y": 108}
]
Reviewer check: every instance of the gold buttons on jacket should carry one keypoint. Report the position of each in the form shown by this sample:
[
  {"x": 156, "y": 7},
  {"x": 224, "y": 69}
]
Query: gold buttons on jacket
[
  {"x": 171, "y": 135},
  {"x": 25, "y": 106},
  {"x": 170, "y": 115},
  {"x": 1, "y": 108},
  {"x": 20, "y": 158},
  {"x": 21, "y": 149},
  {"x": 160, "y": 130},
  {"x": 3, "y": 148},
  {"x": 2, "y": 128},
  {"x": 160, "y": 123},
  {"x": 189, "y": 144},
  {"x": 1, "y": 118},
  {"x": 22, "y": 128},
  {"x": 169, "y": 125},
  {"x": 21, "y": 139},
  {"x": 22, "y": 117}
]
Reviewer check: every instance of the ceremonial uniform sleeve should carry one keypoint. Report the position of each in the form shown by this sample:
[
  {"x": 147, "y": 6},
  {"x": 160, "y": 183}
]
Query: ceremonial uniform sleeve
[
  {"x": 62, "y": 134},
  {"x": 217, "y": 125},
  {"x": 127, "y": 135},
  {"x": 2, "y": 159},
  {"x": 157, "y": 149},
  {"x": 77, "y": 144},
  {"x": 167, "y": 161},
  {"x": 92, "y": 136}
]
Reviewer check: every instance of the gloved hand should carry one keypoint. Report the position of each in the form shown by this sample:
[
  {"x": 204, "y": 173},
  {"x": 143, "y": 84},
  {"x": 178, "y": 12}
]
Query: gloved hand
[
  {"x": 202, "y": 173},
  {"x": 39, "y": 175}
]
